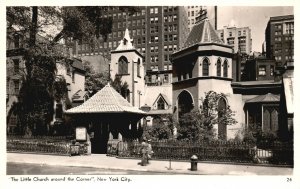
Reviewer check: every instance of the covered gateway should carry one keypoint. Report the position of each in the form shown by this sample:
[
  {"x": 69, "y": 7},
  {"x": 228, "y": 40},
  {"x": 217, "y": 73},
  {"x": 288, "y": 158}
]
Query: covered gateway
[{"x": 107, "y": 115}]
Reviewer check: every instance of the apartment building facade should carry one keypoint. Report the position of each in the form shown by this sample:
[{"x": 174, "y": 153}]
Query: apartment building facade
[
  {"x": 157, "y": 32},
  {"x": 238, "y": 38},
  {"x": 279, "y": 38}
]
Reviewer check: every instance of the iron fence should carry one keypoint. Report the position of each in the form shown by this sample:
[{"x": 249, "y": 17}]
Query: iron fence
[
  {"x": 240, "y": 152},
  {"x": 59, "y": 145}
]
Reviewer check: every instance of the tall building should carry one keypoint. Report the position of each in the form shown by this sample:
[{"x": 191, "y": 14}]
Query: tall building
[
  {"x": 279, "y": 36},
  {"x": 157, "y": 32},
  {"x": 238, "y": 38},
  {"x": 194, "y": 11}
]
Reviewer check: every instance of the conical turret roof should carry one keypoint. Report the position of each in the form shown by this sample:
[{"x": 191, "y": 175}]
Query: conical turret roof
[{"x": 202, "y": 32}]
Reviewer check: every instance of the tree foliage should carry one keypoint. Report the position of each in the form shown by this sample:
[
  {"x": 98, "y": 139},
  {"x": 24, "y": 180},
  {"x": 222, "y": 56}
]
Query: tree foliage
[
  {"x": 254, "y": 134},
  {"x": 120, "y": 86},
  {"x": 199, "y": 124},
  {"x": 161, "y": 129},
  {"x": 94, "y": 81},
  {"x": 35, "y": 107}
]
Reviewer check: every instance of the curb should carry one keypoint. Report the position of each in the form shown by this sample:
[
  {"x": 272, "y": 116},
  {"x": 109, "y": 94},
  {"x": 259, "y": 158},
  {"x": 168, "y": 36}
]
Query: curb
[
  {"x": 178, "y": 172},
  {"x": 216, "y": 162}
]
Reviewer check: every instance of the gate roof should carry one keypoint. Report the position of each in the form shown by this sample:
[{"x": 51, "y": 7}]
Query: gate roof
[{"x": 107, "y": 100}]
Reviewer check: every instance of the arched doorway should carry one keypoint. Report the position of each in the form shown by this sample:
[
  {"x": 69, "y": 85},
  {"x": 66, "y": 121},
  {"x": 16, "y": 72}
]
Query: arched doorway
[
  {"x": 222, "y": 127},
  {"x": 185, "y": 103}
]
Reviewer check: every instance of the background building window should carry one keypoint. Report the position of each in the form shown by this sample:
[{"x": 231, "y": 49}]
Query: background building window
[
  {"x": 17, "y": 86},
  {"x": 16, "y": 65},
  {"x": 262, "y": 70},
  {"x": 271, "y": 70}
]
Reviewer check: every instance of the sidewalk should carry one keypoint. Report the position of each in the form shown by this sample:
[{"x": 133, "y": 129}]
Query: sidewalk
[{"x": 105, "y": 162}]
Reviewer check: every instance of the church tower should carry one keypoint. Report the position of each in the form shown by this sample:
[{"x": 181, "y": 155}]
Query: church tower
[
  {"x": 127, "y": 63},
  {"x": 203, "y": 64}
]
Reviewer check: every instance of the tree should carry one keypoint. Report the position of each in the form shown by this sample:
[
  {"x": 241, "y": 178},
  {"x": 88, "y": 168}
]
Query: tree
[
  {"x": 162, "y": 128},
  {"x": 35, "y": 106},
  {"x": 94, "y": 81},
  {"x": 198, "y": 125},
  {"x": 120, "y": 86}
]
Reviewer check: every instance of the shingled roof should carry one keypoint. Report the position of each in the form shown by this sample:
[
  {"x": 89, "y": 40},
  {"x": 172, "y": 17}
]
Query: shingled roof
[
  {"x": 202, "y": 32},
  {"x": 107, "y": 100},
  {"x": 265, "y": 98}
]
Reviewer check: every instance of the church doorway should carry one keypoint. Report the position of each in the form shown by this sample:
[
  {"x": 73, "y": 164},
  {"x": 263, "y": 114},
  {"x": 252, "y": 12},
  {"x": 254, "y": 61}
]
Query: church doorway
[
  {"x": 185, "y": 103},
  {"x": 100, "y": 138}
]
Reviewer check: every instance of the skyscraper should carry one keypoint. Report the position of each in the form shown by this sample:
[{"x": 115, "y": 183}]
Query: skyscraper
[
  {"x": 157, "y": 32},
  {"x": 279, "y": 36}
]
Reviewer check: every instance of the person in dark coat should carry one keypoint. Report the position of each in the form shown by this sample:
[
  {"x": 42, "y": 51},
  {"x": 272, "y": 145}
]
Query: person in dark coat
[
  {"x": 149, "y": 151},
  {"x": 144, "y": 146}
]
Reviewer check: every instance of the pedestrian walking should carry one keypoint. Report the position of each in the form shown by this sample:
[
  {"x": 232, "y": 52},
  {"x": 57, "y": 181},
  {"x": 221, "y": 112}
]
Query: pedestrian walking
[
  {"x": 149, "y": 151},
  {"x": 143, "y": 151}
]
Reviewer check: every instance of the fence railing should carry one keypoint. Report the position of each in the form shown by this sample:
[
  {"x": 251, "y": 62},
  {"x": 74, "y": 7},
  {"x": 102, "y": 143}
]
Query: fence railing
[
  {"x": 240, "y": 152},
  {"x": 59, "y": 145}
]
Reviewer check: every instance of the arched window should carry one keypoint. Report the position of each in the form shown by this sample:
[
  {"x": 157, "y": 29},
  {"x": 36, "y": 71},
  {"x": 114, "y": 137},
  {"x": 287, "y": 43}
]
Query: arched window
[
  {"x": 205, "y": 67},
  {"x": 139, "y": 68},
  {"x": 219, "y": 67},
  {"x": 222, "y": 127},
  {"x": 225, "y": 69},
  {"x": 160, "y": 104},
  {"x": 123, "y": 65}
]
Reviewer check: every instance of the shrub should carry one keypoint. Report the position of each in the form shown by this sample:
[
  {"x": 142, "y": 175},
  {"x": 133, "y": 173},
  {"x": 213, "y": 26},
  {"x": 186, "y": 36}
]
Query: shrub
[
  {"x": 162, "y": 128},
  {"x": 198, "y": 124}
]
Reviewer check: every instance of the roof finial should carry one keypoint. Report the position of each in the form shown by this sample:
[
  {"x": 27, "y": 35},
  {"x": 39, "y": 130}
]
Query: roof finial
[{"x": 202, "y": 15}]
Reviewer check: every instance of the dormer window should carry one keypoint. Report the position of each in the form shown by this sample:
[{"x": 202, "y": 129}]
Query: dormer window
[{"x": 160, "y": 104}]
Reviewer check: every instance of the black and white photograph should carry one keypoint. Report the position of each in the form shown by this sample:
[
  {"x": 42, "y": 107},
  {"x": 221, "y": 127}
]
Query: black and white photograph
[{"x": 114, "y": 92}]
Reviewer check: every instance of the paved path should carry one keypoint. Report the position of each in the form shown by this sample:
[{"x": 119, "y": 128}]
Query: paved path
[{"x": 106, "y": 162}]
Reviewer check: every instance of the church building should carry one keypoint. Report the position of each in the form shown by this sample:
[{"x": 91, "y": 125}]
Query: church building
[{"x": 205, "y": 64}]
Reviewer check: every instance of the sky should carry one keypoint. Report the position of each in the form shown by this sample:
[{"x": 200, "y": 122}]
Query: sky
[{"x": 254, "y": 17}]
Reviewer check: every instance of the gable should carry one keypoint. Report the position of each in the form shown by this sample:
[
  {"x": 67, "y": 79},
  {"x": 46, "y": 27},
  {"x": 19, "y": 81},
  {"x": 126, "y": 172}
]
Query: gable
[{"x": 164, "y": 98}]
